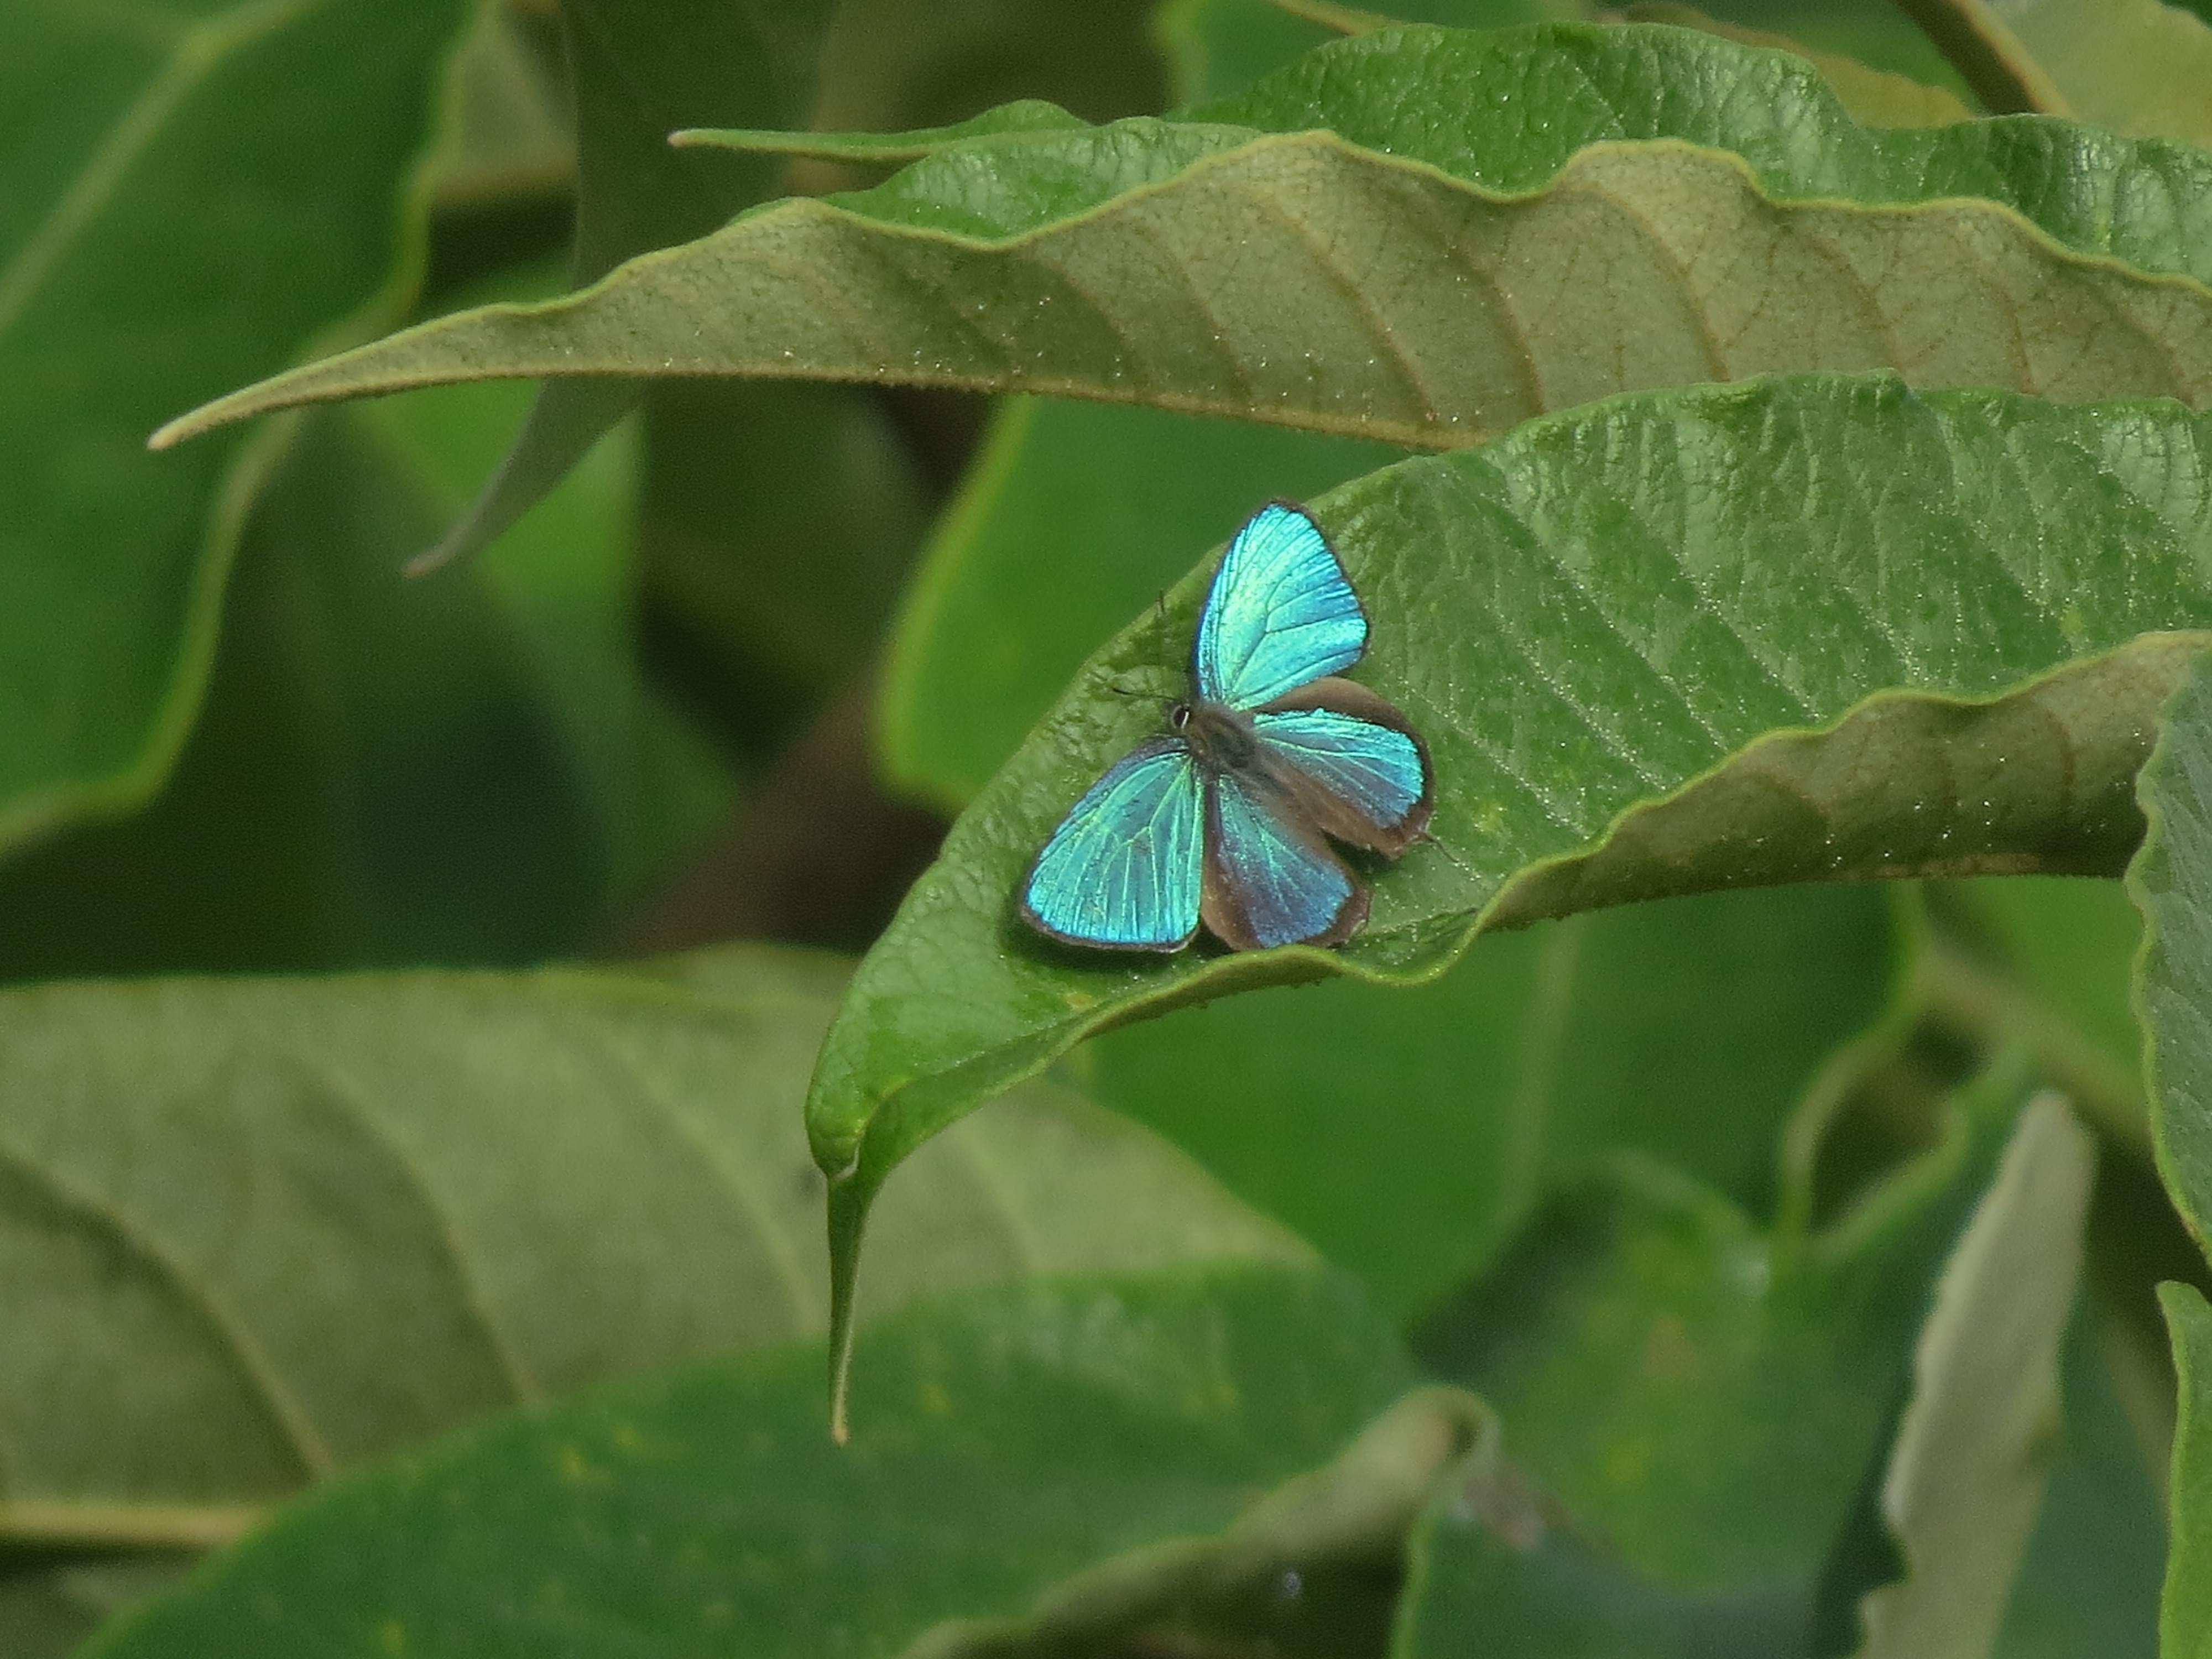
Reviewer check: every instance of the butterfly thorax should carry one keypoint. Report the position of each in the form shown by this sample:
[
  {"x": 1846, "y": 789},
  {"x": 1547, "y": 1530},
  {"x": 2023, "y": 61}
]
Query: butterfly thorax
[{"x": 1220, "y": 738}]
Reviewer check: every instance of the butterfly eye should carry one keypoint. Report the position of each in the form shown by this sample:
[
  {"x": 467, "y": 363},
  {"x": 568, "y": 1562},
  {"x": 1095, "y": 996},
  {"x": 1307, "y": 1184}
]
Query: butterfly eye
[{"x": 1179, "y": 716}]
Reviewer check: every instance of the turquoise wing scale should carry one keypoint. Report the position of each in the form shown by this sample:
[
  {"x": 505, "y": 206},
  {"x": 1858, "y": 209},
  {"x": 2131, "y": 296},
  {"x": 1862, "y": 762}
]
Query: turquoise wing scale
[
  {"x": 1189, "y": 827},
  {"x": 1379, "y": 770},
  {"x": 1279, "y": 612},
  {"x": 1125, "y": 868},
  {"x": 1276, "y": 885}
]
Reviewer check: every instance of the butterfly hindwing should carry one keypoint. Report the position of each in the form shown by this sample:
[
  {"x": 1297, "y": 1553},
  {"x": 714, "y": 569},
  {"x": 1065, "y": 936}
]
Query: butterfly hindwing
[
  {"x": 1279, "y": 612},
  {"x": 1353, "y": 764},
  {"x": 1269, "y": 881},
  {"x": 1125, "y": 869}
]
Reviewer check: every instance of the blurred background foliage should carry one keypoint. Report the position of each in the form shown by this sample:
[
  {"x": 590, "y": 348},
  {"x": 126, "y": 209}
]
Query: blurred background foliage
[{"x": 729, "y": 678}]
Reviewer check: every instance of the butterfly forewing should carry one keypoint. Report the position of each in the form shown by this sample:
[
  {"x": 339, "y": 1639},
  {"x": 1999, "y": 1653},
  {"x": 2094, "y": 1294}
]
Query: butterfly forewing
[
  {"x": 1279, "y": 612},
  {"x": 1126, "y": 867},
  {"x": 1269, "y": 882}
]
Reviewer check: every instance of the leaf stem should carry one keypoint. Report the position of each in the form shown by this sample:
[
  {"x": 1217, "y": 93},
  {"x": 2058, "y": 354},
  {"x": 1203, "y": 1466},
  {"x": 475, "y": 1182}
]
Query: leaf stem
[{"x": 1988, "y": 57}]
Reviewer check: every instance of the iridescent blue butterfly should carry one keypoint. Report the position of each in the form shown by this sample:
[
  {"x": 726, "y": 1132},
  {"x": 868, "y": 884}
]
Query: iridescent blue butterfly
[{"x": 1223, "y": 817}]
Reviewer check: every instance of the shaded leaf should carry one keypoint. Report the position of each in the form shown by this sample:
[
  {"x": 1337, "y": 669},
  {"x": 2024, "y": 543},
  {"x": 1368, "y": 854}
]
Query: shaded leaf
[
  {"x": 1005, "y": 1441},
  {"x": 1701, "y": 1394},
  {"x": 777, "y": 525},
  {"x": 2069, "y": 945},
  {"x": 1442, "y": 263},
  {"x": 1595, "y": 622},
  {"x": 1967, "y": 1472},
  {"x": 1489, "y": 1563},
  {"x": 1686, "y": 1029},
  {"x": 2135, "y": 66},
  {"x": 2090, "y": 1581},
  {"x": 291, "y": 130},
  {"x": 2185, "y": 1618},
  {"x": 1314, "y": 1567},
  {"x": 469, "y": 771},
  {"x": 636, "y": 76},
  {"x": 257, "y": 1231}
]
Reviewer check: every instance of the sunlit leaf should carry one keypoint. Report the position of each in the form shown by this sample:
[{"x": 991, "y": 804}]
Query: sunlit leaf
[{"x": 1819, "y": 628}]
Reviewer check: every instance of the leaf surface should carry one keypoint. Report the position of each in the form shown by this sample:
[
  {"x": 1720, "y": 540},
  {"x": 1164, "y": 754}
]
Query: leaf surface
[
  {"x": 291, "y": 130},
  {"x": 2135, "y": 66},
  {"x": 1491, "y": 226},
  {"x": 371, "y": 748},
  {"x": 2170, "y": 883},
  {"x": 1695, "y": 1399},
  {"x": 1686, "y": 1029},
  {"x": 1644, "y": 1026},
  {"x": 258, "y": 1232},
  {"x": 2185, "y": 1618},
  {"x": 1005, "y": 1441},
  {"x": 634, "y": 77},
  {"x": 1967, "y": 1472},
  {"x": 1818, "y": 628}
]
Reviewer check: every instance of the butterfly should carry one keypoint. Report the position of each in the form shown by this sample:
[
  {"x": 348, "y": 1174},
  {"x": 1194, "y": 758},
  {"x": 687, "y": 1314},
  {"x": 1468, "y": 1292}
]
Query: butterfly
[{"x": 1226, "y": 816}]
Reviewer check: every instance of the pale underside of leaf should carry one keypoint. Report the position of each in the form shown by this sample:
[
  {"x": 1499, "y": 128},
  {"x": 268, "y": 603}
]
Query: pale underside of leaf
[
  {"x": 547, "y": 1180},
  {"x": 1967, "y": 1472},
  {"x": 2136, "y": 66},
  {"x": 1304, "y": 281}
]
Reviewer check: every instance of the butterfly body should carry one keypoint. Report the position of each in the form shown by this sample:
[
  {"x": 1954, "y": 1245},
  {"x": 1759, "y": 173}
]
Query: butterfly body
[{"x": 1227, "y": 816}]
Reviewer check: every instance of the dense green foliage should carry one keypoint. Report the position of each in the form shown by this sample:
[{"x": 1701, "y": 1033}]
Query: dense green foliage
[{"x": 1742, "y": 1193}]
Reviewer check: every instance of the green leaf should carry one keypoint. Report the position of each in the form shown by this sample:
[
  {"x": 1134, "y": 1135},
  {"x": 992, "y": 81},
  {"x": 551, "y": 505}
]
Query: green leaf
[
  {"x": 2171, "y": 881},
  {"x": 1312, "y": 1568},
  {"x": 1595, "y": 622},
  {"x": 1874, "y": 97},
  {"x": 2071, "y": 946},
  {"x": 186, "y": 199},
  {"x": 636, "y": 76},
  {"x": 1220, "y": 47},
  {"x": 1491, "y": 1563},
  {"x": 252, "y": 1232},
  {"x": 1444, "y": 262},
  {"x": 2185, "y": 1619},
  {"x": 1700, "y": 1395},
  {"x": 1409, "y": 1135},
  {"x": 1967, "y": 1472},
  {"x": 468, "y": 771},
  {"x": 1005, "y": 1441},
  {"x": 777, "y": 522},
  {"x": 990, "y": 632},
  {"x": 1024, "y": 115},
  {"x": 2090, "y": 1583}
]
